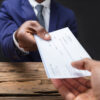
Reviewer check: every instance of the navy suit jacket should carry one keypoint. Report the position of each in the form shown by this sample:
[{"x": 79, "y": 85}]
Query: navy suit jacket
[{"x": 13, "y": 13}]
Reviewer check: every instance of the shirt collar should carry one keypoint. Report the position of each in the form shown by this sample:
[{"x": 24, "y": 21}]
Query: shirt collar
[{"x": 45, "y": 3}]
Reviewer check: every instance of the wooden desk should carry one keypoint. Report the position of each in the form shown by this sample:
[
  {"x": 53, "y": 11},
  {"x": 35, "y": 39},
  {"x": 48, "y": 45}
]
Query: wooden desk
[{"x": 25, "y": 81}]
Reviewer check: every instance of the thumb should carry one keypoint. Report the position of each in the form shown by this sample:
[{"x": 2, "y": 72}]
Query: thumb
[
  {"x": 44, "y": 35},
  {"x": 39, "y": 30},
  {"x": 82, "y": 64},
  {"x": 47, "y": 36}
]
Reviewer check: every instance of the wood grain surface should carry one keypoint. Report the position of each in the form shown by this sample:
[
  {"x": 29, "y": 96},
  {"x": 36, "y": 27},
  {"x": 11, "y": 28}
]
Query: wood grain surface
[{"x": 25, "y": 81}]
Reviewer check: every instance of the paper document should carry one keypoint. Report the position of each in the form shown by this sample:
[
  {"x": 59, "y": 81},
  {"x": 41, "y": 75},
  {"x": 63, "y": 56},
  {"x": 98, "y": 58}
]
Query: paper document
[{"x": 58, "y": 54}]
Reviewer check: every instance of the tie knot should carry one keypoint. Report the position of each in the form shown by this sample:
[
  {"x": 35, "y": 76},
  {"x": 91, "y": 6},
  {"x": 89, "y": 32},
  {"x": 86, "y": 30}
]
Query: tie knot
[{"x": 39, "y": 8}]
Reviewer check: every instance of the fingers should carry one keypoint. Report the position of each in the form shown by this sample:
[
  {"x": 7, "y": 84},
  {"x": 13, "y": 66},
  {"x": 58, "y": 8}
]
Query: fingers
[
  {"x": 57, "y": 83},
  {"x": 84, "y": 82},
  {"x": 40, "y": 31},
  {"x": 88, "y": 95},
  {"x": 70, "y": 88},
  {"x": 76, "y": 86},
  {"x": 65, "y": 93},
  {"x": 26, "y": 40},
  {"x": 82, "y": 64},
  {"x": 63, "y": 90}
]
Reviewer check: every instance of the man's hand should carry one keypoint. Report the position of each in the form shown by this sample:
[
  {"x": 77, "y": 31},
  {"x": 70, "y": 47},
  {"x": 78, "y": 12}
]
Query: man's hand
[
  {"x": 25, "y": 35},
  {"x": 94, "y": 67},
  {"x": 70, "y": 88}
]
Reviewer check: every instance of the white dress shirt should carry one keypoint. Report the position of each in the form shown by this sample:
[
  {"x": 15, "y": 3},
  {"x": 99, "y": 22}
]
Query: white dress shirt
[{"x": 46, "y": 15}]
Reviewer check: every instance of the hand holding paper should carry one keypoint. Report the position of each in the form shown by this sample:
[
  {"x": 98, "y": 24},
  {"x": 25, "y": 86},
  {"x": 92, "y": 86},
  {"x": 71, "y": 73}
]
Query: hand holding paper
[{"x": 58, "y": 53}]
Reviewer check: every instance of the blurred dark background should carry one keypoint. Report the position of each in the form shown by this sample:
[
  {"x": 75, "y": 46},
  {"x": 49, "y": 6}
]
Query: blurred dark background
[{"x": 88, "y": 18}]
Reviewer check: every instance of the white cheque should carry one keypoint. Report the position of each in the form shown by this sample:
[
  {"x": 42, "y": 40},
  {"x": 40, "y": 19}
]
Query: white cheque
[{"x": 58, "y": 54}]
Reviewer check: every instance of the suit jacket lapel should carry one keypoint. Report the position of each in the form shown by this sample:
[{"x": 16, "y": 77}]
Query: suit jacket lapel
[
  {"x": 28, "y": 11},
  {"x": 29, "y": 14},
  {"x": 53, "y": 17}
]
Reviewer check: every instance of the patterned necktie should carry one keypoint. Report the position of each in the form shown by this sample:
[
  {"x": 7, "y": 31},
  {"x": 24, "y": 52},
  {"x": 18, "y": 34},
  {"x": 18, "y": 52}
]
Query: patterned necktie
[{"x": 39, "y": 15}]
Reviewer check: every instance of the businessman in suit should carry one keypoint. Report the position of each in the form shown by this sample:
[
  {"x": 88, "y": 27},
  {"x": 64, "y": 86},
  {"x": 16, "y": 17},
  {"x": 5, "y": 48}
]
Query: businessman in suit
[{"x": 21, "y": 19}]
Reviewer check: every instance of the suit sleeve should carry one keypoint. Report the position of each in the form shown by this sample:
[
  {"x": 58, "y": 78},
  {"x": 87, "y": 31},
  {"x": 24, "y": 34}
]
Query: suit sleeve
[
  {"x": 72, "y": 24},
  {"x": 7, "y": 28}
]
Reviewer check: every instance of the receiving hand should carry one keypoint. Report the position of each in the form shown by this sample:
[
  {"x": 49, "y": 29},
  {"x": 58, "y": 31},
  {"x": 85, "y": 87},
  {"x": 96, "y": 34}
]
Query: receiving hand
[
  {"x": 94, "y": 67},
  {"x": 71, "y": 88},
  {"x": 79, "y": 89}
]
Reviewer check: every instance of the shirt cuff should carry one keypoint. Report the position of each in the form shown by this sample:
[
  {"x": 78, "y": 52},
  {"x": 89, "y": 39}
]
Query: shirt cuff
[{"x": 17, "y": 45}]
